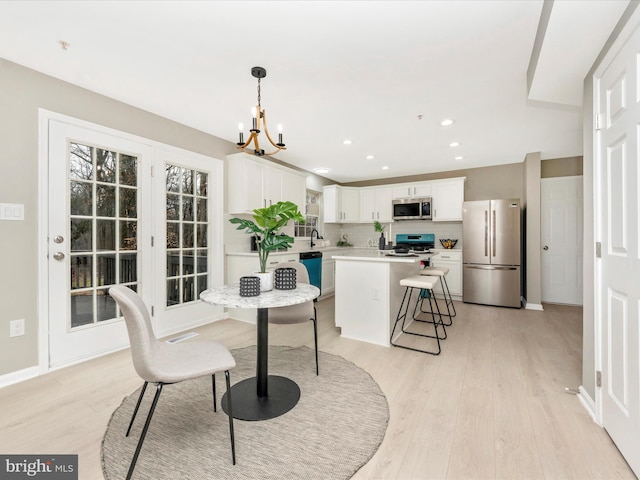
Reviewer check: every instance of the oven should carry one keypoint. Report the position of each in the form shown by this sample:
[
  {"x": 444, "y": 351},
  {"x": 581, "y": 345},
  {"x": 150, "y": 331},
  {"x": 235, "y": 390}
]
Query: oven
[{"x": 412, "y": 208}]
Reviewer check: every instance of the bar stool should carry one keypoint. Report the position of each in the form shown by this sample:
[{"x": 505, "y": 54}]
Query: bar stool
[
  {"x": 419, "y": 282},
  {"x": 441, "y": 273}
]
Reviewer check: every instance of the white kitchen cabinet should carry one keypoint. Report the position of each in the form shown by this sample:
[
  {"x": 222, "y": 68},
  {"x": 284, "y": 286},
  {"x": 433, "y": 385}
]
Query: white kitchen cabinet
[
  {"x": 409, "y": 190},
  {"x": 375, "y": 204},
  {"x": 256, "y": 183},
  {"x": 328, "y": 276},
  {"x": 452, "y": 259},
  {"x": 341, "y": 204},
  {"x": 447, "y": 199}
]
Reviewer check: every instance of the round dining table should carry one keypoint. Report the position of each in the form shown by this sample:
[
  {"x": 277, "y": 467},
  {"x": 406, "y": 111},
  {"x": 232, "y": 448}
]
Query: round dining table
[{"x": 264, "y": 396}]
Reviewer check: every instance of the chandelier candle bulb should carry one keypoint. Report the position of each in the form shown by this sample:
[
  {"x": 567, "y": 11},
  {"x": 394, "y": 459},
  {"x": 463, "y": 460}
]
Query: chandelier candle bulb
[{"x": 241, "y": 134}]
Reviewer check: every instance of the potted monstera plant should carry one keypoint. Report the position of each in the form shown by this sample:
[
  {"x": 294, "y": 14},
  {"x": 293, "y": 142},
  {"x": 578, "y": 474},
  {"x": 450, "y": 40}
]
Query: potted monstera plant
[{"x": 266, "y": 226}]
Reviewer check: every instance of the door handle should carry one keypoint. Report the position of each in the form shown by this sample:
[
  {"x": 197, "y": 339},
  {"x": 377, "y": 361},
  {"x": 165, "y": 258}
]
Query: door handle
[
  {"x": 58, "y": 256},
  {"x": 546, "y": 247},
  {"x": 493, "y": 231}
]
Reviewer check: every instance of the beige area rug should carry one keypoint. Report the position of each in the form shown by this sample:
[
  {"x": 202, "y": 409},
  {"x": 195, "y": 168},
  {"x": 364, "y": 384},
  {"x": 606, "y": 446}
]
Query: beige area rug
[{"x": 335, "y": 428}]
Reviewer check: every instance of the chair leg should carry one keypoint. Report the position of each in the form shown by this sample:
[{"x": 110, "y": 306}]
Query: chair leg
[
  {"x": 144, "y": 430},
  {"x": 315, "y": 337},
  {"x": 445, "y": 290},
  {"x": 403, "y": 317},
  {"x": 135, "y": 410},
  {"x": 230, "y": 413},
  {"x": 213, "y": 387},
  {"x": 453, "y": 306}
]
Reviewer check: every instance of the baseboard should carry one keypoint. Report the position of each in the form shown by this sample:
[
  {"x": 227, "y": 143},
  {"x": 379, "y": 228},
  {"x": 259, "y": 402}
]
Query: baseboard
[
  {"x": 588, "y": 403},
  {"x": 19, "y": 376},
  {"x": 533, "y": 306}
]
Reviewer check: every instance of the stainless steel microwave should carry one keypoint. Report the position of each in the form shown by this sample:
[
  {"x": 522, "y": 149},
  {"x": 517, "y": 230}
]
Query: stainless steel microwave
[{"x": 412, "y": 208}]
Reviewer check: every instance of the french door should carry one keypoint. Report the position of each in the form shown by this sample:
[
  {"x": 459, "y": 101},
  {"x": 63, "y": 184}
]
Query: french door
[{"x": 125, "y": 211}]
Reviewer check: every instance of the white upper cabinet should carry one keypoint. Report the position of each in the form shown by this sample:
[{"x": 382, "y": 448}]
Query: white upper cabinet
[
  {"x": 447, "y": 199},
  {"x": 375, "y": 204},
  {"x": 367, "y": 204},
  {"x": 409, "y": 190},
  {"x": 256, "y": 183},
  {"x": 341, "y": 204}
]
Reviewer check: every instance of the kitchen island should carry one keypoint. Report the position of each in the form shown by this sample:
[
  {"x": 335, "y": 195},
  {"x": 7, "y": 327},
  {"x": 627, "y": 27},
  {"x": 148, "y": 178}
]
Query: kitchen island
[{"x": 368, "y": 292}]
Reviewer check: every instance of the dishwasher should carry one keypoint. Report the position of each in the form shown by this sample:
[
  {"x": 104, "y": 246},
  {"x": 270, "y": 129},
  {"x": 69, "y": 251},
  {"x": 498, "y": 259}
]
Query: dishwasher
[{"x": 313, "y": 262}]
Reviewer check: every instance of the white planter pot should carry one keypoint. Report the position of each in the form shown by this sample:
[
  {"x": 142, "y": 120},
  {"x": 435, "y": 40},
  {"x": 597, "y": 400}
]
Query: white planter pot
[{"x": 266, "y": 280}]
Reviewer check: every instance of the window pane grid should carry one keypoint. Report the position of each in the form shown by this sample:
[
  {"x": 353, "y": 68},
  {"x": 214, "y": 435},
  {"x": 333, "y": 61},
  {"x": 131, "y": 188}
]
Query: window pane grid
[
  {"x": 103, "y": 209},
  {"x": 187, "y": 234}
]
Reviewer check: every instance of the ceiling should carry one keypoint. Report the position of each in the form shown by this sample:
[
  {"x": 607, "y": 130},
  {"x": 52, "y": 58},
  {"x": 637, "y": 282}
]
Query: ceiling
[{"x": 382, "y": 74}]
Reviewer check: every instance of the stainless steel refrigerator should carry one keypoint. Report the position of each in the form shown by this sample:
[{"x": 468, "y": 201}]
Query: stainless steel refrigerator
[{"x": 491, "y": 231}]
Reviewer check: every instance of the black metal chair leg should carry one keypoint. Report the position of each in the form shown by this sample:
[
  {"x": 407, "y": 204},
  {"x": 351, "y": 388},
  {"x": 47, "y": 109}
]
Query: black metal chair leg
[
  {"x": 144, "y": 430},
  {"x": 315, "y": 338},
  {"x": 135, "y": 410},
  {"x": 453, "y": 306},
  {"x": 213, "y": 387},
  {"x": 230, "y": 413},
  {"x": 403, "y": 325},
  {"x": 433, "y": 318},
  {"x": 444, "y": 294}
]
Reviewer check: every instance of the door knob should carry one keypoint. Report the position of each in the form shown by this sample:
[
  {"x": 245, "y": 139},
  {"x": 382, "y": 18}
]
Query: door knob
[
  {"x": 546, "y": 247},
  {"x": 58, "y": 239},
  {"x": 58, "y": 256}
]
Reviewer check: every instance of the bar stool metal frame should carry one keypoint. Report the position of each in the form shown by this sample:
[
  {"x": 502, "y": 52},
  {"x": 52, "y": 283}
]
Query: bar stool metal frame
[
  {"x": 419, "y": 282},
  {"x": 442, "y": 274}
]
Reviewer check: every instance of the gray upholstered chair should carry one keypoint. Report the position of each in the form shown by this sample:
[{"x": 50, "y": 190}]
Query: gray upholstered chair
[
  {"x": 162, "y": 363},
  {"x": 302, "y": 312}
]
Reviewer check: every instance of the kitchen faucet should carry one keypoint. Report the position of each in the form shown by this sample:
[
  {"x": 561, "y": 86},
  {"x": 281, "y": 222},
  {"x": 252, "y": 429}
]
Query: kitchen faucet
[{"x": 317, "y": 237}]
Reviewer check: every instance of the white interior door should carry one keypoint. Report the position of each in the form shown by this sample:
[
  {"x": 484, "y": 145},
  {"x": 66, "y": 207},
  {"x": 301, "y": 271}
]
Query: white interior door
[
  {"x": 99, "y": 219},
  {"x": 617, "y": 272},
  {"x": 561, "y": 232}
]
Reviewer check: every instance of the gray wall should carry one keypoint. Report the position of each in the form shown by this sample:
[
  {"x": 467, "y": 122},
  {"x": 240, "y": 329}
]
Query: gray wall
[
  {"x": 531, "y": 204},
  {"x": 22, "y": 92},
  {"x": 484, "y": 183}
]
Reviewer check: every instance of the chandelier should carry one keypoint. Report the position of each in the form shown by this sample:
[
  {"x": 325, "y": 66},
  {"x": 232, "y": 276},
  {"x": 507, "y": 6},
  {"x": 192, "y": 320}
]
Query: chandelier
[{"x": 259, "y": 121}]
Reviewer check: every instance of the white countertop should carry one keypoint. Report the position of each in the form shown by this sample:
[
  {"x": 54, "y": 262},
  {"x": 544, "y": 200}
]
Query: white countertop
[
  {"x": 331, "y": 252},
  {"x": 366, "y": 255}
]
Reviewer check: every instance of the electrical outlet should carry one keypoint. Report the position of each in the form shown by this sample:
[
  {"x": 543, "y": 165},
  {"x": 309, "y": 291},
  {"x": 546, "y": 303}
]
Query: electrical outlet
[{"x": 16, "y": 328}]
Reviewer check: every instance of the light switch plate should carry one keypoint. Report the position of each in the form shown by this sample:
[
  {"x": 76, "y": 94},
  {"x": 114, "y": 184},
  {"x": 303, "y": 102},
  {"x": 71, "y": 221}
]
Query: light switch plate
[{"x": 11, "y": 211}]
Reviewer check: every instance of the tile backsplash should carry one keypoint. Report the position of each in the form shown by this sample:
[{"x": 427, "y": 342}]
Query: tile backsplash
[{"x": 360, "y": 234}]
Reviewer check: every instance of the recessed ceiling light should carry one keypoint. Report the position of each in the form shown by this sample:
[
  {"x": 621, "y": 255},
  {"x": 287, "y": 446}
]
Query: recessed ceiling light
[
  {"x": 446, "y": 122},
  {"x": 385, "y": 168},
  {"x": 347, "y": 142},
  {"x": 369, "y": 157},
  {"x": 459, "y": 157},
  {"x": 322, "y": 170},
  {"x": 454, "y": 144}
]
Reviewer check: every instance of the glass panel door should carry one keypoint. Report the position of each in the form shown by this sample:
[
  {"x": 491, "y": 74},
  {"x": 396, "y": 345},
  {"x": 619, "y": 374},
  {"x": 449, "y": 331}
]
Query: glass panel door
[
  {"x": 103, "y": 229},
  {"x": 187, "y": 222}
]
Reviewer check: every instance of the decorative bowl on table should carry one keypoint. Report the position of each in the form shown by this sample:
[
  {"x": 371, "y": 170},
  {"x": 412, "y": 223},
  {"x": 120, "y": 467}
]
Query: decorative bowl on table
[{"x": 448, "y": 243}]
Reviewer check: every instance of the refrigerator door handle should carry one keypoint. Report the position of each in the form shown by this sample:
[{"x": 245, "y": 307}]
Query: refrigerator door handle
[
  {"x": 489, "y": 267},
  {"x": 486, "y": 233},
  {"x": 493, "y": 233}
]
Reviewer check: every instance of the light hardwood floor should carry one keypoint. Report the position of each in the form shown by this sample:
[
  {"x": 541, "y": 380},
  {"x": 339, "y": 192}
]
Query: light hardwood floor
[{"x": 492, "y": 405}]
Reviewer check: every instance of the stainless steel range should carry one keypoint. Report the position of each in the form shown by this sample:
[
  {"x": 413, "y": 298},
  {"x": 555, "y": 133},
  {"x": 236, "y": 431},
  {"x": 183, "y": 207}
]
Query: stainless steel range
[{"x": 414, "y": 242}]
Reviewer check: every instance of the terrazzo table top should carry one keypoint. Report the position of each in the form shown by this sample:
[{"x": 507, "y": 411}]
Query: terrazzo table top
[{"x": 229, "y": 296}]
